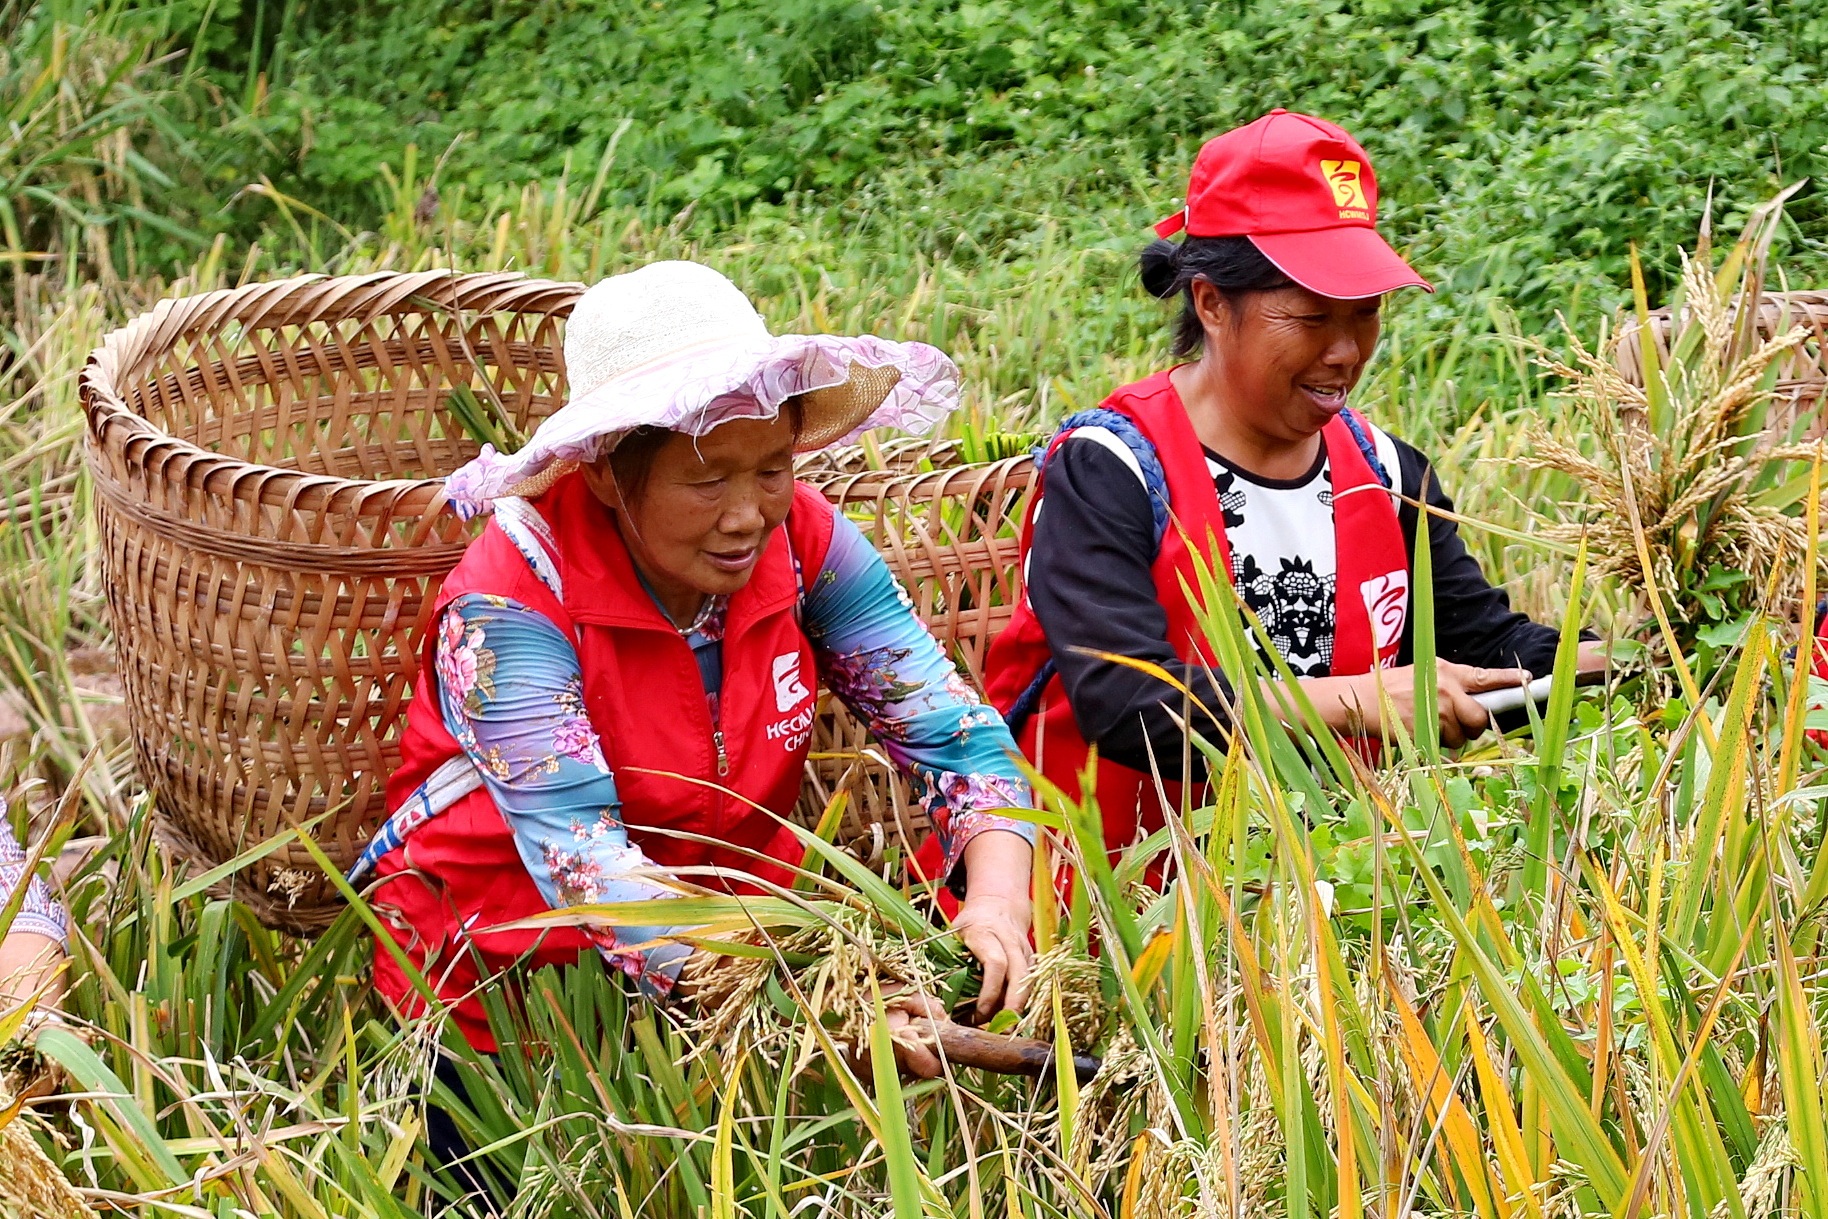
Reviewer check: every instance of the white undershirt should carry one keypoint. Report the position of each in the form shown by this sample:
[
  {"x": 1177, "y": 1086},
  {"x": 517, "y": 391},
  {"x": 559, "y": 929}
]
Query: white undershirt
[{"x": 1283, "y": 557}]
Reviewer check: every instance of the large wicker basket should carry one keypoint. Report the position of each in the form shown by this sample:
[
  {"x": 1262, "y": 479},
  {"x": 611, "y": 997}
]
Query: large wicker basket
[
  {"x": 267, "y": 463},
  {"x": 1802, "y": 379},
  {"x": 950, "y": 536}
]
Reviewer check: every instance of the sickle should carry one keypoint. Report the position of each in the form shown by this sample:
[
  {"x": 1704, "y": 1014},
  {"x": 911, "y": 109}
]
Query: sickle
[{"x": 974, "y": 1047}]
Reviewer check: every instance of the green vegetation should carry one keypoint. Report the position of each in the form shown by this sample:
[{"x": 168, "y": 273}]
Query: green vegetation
[
  {"x": 1520, "y": 146},
  {"x": 1574, "y": 974}
]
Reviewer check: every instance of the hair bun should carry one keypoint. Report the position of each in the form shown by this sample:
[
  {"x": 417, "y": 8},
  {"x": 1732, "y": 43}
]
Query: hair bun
[{"x": 1160, "y": 264}]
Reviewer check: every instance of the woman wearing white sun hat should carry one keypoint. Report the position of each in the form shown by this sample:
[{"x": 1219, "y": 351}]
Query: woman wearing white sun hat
[{"x": 642, "y": 629}]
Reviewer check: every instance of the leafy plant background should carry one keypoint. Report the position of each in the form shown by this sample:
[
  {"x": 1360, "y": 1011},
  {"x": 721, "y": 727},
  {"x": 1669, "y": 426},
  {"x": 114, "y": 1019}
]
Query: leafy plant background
[{"x": 1520, "y": 146}]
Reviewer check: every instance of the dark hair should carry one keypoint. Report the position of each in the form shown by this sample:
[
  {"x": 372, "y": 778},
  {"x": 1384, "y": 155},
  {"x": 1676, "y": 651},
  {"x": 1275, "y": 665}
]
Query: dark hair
[
  {"x": 1233, "y": 265},
  {"x": 632, "y": 460}
]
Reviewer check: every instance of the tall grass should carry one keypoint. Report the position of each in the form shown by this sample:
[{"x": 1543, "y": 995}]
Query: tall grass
[{"x": 83, "y": 94}]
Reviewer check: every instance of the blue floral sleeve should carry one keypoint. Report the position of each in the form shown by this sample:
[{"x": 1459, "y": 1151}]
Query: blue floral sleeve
[
  {"x": 39, "y": 912},
  {"x": 877, "y": 656},
  {"x": 511, "y": 692}
]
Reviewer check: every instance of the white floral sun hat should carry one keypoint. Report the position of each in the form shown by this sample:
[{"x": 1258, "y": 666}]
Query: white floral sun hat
[{"x": 678, "y": 346}]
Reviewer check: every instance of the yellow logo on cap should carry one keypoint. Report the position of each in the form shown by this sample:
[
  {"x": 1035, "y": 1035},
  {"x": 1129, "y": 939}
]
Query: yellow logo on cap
[{"x": 1348, "y": 191}]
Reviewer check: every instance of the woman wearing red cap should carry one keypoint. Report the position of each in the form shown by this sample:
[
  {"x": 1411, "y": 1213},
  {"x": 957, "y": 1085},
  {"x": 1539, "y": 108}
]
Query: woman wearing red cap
[{"x": 1281, "y": 276}]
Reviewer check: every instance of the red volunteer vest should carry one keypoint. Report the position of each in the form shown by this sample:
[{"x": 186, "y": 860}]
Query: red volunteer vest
[
  {"x": 1370, "y": 600},
  {"x": 461, "y": 872}
]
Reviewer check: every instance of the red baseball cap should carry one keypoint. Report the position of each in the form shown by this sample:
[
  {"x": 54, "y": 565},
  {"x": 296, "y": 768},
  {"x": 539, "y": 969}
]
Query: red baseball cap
[{"x": 1302, "y": 190}]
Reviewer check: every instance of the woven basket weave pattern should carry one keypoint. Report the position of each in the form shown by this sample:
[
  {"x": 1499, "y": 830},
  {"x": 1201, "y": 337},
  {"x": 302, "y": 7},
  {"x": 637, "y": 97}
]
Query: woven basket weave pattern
[
  {"x": 268, "y": 468},
  {"x": 1802, "y": 379},
  {"x": 951, "y": 536}
]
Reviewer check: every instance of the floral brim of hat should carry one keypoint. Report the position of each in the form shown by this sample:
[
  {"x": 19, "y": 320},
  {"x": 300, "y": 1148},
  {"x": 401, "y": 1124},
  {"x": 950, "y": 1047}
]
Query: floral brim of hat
[{"x": 676, "y": 345}]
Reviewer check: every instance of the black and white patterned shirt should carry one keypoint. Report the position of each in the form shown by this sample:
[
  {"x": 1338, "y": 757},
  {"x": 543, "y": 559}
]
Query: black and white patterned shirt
[
  {"x": 1283, "y": 557},
  {"x": 1091, "y": 583}
]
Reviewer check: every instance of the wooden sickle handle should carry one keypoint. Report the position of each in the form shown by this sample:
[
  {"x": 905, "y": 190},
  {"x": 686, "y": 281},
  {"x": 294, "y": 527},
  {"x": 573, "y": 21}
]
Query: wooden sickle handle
[{"x": 973, "y": 1047}]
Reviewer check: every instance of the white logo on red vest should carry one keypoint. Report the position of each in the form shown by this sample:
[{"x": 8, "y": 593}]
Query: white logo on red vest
[
  {"x": 1387, "y": 604},
  {"x": 789, "y": 690}
]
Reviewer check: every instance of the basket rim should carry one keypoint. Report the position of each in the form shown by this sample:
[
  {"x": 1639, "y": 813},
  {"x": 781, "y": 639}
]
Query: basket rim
[
  {"x": 854, "y": 487},
  {"x": 1802, "y": 307},
  {"x": 115, "y": 428}
]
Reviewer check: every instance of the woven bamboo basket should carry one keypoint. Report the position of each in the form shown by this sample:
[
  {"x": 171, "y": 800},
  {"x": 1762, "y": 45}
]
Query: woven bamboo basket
[
  {"x": 1802, "y": 380},
  {"x": 950, "y": 535},
  {"x": 897, "y": 455},
  {"x": 268, "y": 468}
]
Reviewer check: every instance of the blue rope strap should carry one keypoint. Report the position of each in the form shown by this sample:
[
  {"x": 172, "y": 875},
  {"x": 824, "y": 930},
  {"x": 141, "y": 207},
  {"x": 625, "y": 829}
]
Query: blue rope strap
[
  {"x": 1155, "y": 483},
  {"x": 1155, "y": 479},
  {"x": 1362, "y": 436}
]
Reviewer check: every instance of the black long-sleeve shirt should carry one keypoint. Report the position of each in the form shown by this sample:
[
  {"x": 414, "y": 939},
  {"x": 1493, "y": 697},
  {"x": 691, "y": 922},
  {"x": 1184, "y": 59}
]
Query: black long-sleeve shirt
[{"x": 1091, "y": 584}]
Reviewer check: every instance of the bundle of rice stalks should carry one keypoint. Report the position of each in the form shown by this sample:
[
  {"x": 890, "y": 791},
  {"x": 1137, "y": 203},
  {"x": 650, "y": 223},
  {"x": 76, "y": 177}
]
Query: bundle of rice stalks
[
  {"x": 1124, "y": 1142},
  {"x": 1689, "y": 504},
  {"x": 830, "y": 970},
  {"x": 1065, "y": 978},
  {"x": 30, "y": 1184}
]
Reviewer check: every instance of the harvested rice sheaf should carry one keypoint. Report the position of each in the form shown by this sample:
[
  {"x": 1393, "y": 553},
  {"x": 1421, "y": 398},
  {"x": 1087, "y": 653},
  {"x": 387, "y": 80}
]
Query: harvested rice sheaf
[
  {"x": 30, "y": 1184},
  {"x": 762, "y": 1002},
  {"x": 1689, "y": 480},
  {"x": 1124, "y": 1133},
  {"x": 1064, "y": 971}
]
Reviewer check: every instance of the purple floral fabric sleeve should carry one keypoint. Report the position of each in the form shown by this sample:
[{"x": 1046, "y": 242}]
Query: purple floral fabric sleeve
[
  {"x": 511, "y": 692},
  {"x": 39, "y": 913},
  {"x": 876, "y": 655}
]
